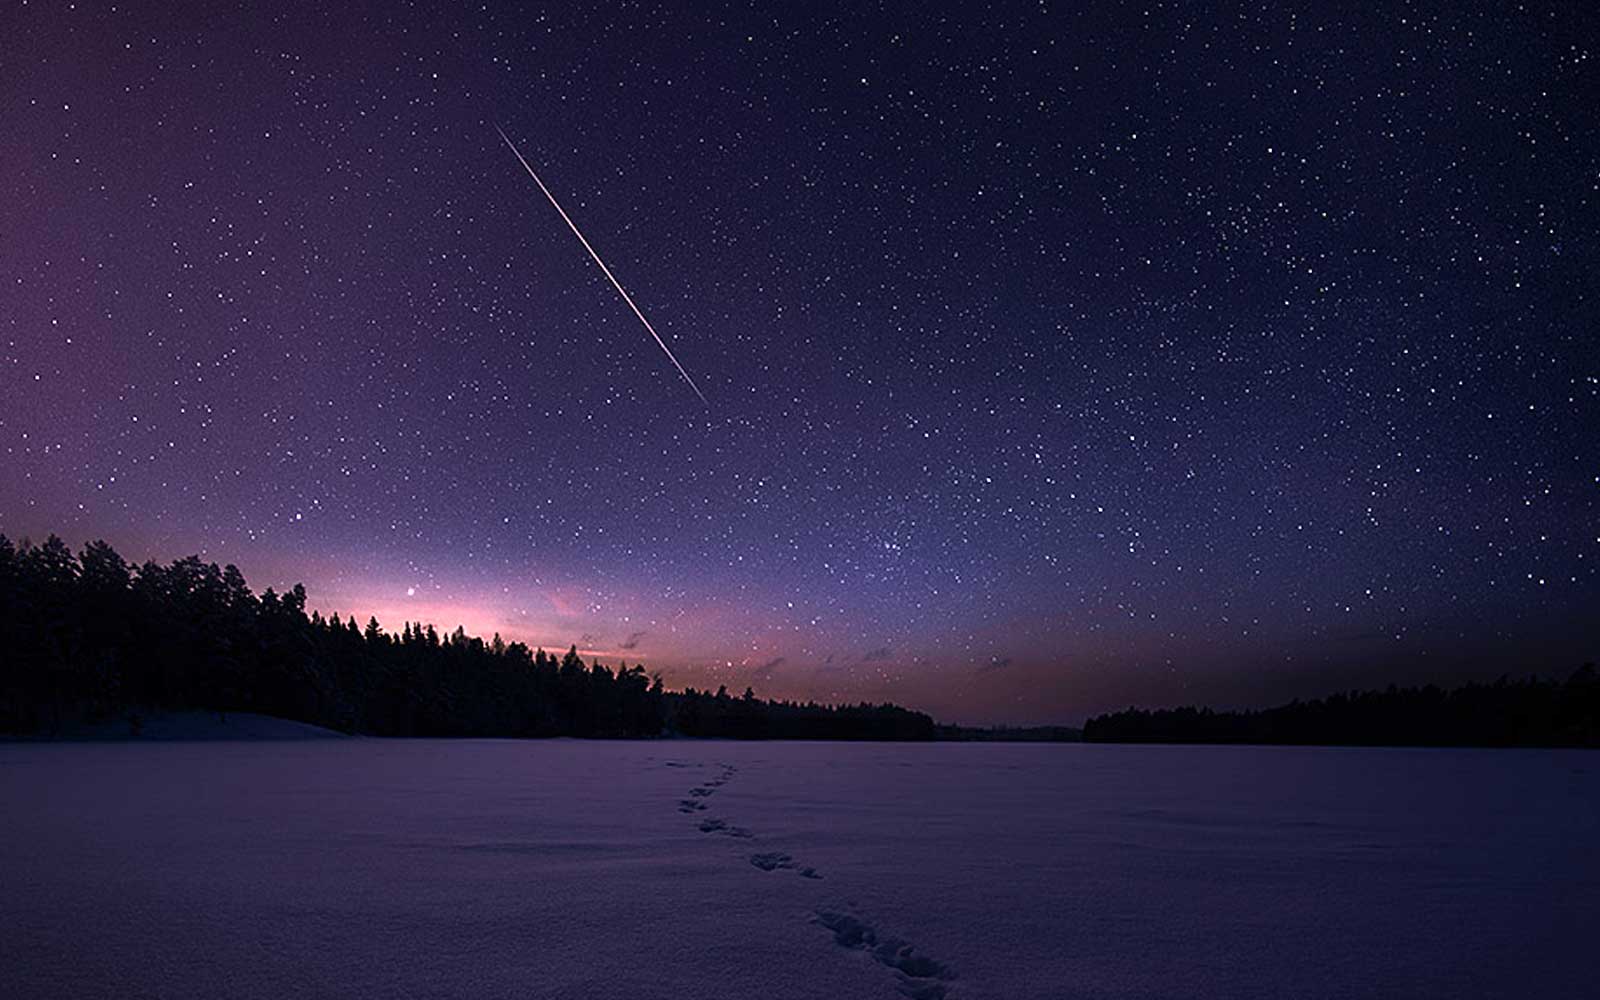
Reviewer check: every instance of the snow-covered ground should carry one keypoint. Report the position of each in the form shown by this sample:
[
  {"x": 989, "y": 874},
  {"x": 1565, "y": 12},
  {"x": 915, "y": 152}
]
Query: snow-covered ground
[{"x": 348, "y": 868}]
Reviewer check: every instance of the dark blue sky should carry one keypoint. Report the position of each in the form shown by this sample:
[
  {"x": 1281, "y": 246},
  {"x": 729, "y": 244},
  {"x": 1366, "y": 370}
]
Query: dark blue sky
[{"x": 1055, "y": 358}]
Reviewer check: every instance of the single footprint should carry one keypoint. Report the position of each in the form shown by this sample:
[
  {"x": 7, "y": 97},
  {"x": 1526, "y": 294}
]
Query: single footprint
[
  {"x": 712, "y": 825},
  {"x": 690, "y": 805},
  {"x": 701, "y": 792},
  {"x": 771, "y": 861}
]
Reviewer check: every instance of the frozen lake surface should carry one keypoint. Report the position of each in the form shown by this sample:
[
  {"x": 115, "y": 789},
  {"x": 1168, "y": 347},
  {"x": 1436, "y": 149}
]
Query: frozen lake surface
[{"x": 349, "y": 868}]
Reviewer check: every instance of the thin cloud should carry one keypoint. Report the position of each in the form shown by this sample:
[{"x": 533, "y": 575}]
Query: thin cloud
[{"x": 632, "y": 641}]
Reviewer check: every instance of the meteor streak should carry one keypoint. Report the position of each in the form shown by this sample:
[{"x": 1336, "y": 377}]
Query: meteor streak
[{"x": 606, "y": 270}]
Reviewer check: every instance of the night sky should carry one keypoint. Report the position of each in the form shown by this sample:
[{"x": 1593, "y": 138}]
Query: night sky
[{"x": 1054, "y": 358}]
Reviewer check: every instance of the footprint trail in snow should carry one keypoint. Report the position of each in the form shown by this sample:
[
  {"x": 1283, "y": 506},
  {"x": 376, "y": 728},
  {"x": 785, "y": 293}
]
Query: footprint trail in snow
[{"x": 917, "y": 976}]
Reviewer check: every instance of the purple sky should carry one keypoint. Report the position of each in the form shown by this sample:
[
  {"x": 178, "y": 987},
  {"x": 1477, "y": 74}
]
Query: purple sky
[{"x": 1054, "y": 359}]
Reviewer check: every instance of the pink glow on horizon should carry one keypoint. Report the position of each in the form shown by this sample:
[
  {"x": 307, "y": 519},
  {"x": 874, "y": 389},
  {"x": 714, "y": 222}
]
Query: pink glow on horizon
[
  {"x": 694, "y": 639},
  {"x": 687, "y": 642},
  {"x": 552, "y": 617}
]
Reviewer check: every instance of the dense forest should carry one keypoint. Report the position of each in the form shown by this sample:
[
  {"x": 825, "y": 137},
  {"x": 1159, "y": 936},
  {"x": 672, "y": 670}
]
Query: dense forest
[
  {"x": 1507, "y": 713},
  {"x": 88, "y": 636},
  {"x": 1009, "y": 734}
]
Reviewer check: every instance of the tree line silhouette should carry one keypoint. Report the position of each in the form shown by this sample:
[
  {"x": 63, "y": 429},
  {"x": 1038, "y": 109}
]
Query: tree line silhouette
[
  {"x": 1506, "y": 713},
  {"x": 700, "y": 713},
  {"x": 89, "y": 636}
]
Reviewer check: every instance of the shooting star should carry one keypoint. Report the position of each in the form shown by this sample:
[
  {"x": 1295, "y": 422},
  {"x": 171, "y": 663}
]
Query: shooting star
[{"x": 606, "y": 270}]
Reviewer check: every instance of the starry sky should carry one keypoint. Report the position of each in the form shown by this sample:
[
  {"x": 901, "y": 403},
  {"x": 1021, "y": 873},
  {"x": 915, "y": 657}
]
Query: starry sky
[{"x": 1056, "y": 357}]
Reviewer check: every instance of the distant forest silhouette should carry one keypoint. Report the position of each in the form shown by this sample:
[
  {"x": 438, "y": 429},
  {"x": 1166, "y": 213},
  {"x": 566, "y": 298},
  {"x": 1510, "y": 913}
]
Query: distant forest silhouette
[
  {"x": 91, "y": 637},
  {"x": 1526, "y": 713}
]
